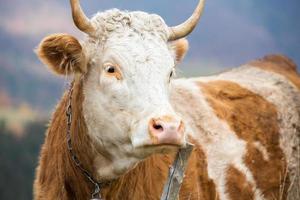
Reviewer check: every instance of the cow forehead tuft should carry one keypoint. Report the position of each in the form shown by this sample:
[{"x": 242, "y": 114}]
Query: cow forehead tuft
[{"x": 118, "y": 21}]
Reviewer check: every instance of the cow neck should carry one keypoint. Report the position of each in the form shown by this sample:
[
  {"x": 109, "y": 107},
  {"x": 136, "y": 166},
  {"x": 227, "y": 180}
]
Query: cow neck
[
  {"x": 96, "y": 194},
  {"x": 57, "y": 172}
]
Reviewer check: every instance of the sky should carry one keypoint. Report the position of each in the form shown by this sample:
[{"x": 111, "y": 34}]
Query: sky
[{"x": 230, "y": 33}]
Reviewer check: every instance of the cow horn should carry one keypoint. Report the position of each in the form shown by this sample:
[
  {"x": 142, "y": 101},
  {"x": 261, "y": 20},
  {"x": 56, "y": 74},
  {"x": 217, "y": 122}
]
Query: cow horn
[
  {"x": 188, "y": 26},
  {"x": 80, "y": 19}
]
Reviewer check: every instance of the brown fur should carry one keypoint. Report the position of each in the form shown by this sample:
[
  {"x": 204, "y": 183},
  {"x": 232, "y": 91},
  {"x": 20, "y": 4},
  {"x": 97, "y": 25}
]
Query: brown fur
[
  {"x": 63, "y": 54},
  {"x": 58, "y": 178},
  {"x": 181, "y": 47},
  {"x": 205, "y": 187},
  {"x": 197, "y": 184},
  {"x": 253, "y": 119},
  {"x": 281, "y": 65},
  {"x": 147, "y": 180},
  {"x": 237, "y": 185}
]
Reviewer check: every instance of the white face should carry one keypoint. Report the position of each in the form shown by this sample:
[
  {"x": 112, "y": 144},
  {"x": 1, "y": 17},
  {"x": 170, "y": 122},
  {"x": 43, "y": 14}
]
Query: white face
[{"x": 126, "y": 106}]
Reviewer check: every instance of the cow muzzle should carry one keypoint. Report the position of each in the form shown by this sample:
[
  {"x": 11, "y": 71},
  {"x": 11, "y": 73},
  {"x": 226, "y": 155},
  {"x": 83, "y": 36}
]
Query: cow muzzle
[{"x": 166, "y": 130}]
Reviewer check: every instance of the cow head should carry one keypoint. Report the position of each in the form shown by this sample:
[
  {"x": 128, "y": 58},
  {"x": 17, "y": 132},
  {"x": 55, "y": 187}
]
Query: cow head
[{"x": 128, "y": 62}]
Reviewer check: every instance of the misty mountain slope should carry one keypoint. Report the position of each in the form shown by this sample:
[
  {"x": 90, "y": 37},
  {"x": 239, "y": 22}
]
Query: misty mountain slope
[
  {"x": 229, "y": 34},
  {"x": 22, "y": 77}
]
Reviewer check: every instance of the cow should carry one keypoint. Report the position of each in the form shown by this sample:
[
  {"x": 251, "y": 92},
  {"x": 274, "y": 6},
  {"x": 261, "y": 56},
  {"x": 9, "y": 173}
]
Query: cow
[{"x": 116, "y": 131}]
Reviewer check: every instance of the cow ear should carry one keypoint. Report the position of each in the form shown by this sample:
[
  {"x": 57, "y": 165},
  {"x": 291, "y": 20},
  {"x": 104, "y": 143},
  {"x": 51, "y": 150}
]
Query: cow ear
[
  {"x": 63, "y": 54},
  {"x": 180, "y": 47}
]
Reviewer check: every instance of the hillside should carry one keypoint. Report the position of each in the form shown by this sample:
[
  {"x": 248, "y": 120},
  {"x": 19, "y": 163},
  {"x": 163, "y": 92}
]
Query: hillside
[
  {"x": 230, "y": 33},
  {"x": 22, "y": 77}
]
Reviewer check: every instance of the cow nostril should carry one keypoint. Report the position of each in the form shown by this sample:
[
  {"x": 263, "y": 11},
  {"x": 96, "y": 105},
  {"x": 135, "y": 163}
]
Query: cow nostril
[{"x": 158, "y": 127}]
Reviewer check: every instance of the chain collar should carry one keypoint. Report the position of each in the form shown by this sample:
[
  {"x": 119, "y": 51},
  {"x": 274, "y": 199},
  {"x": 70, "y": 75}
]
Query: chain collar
[{"x": 96, "y": 195}]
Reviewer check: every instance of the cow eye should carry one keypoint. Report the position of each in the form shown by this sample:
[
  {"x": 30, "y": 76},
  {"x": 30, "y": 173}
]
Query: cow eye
[
  {"x": 113, "y": 71},
  {"x": 110, "y": 69}
]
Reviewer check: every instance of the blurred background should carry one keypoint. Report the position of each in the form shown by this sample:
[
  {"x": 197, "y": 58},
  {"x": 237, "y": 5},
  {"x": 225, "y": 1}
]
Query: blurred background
[{"x": 231, "y": 32}]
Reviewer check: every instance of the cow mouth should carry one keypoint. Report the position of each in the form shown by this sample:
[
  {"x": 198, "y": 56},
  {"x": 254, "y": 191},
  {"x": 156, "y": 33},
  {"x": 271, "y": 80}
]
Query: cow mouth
[
  {"x": 163, "y": 145},
  {"x": 154, "y": 144},
  {"x": 162, "y": 148}
]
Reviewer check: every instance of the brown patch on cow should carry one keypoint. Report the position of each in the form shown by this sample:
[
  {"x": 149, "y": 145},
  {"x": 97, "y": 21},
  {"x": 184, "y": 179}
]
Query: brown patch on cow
[
  {"x": 63, "y": 54},
  {"x": 147, "y": 180},
  {"x": 198, "y": 179},
  {"x": 281, "y": 65},
  {"x": 197, "y": 184},
  {"x": 237, "y": 185},
  {"x": 253, "y": 119}
]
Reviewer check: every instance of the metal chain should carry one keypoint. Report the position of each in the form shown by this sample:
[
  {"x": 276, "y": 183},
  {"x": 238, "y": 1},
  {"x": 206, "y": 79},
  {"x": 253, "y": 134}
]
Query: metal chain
[{"x": 96, "y": 195}]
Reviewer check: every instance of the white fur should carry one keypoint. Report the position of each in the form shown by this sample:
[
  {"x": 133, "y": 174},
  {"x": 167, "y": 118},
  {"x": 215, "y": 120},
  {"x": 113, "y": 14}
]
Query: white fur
[
  {"x": 117, "y": 112},
  {"x": 222, "y": 147},
  {"x": 285, "y": 96}
]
